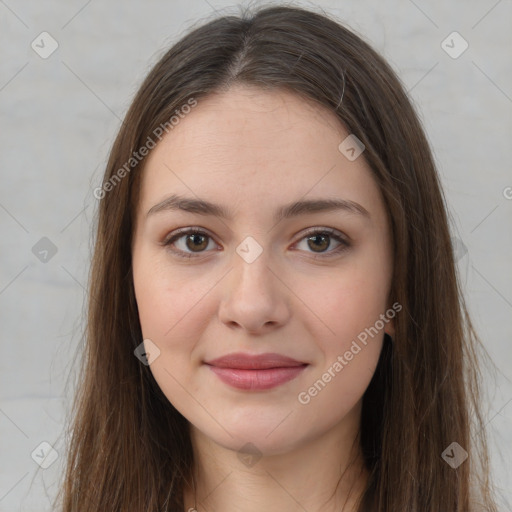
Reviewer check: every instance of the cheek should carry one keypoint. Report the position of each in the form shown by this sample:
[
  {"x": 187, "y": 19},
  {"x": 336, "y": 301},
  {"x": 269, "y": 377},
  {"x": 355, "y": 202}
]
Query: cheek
[
  {"x": 175, "y": 307},
  {"x": 350, "y": 306},
  {"x": 350, "y": 355},
  {"x": 172, "y": 313},
  {"x": 347, "y": 301},
  {"x": 166, "y": 297},
  {"x": 338, "y": 387},
  {"x": 349, "y": 338}
]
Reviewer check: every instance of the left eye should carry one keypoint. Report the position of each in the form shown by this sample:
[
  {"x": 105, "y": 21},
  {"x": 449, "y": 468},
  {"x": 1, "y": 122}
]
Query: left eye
[
  {"x": 195, "y": 241},
  {"x": 320, "y": 240}
]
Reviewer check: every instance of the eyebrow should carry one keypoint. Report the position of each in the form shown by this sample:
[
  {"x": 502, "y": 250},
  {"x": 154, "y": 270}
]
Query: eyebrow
[{"x": 202, "y": 207}]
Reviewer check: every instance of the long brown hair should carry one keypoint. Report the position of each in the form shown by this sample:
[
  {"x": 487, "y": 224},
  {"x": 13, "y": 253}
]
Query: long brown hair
[{"x": 129, "y": 448}]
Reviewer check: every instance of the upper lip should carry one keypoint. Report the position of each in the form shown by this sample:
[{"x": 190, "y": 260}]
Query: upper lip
[{"x": 242, "y": 361}]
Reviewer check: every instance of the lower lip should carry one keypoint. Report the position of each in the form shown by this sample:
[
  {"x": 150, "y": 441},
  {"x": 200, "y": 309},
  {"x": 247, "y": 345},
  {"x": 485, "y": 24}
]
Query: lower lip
[{"x": 255, "y": 380}]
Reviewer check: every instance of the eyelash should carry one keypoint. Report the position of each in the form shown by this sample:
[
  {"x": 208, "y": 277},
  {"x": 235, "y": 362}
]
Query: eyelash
[{"x": 313, "y": 231}]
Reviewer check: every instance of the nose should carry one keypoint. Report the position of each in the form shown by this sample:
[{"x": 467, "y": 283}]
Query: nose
[{"x": 254, "y": 299}]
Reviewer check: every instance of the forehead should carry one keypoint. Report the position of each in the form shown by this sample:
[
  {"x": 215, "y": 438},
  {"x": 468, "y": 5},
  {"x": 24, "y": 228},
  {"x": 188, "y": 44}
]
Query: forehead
[
  {"x": 253, "y": 122},
  {"x": 249, "y": 145}
]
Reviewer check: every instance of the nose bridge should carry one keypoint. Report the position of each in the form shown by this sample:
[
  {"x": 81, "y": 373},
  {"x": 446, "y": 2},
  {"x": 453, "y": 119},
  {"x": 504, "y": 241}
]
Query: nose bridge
[
  {"x": 252, "y": 263},
  {"x": 253, "y": 297}
]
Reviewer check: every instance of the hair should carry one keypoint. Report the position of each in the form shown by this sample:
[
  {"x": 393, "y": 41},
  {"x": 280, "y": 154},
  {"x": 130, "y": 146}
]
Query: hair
[{"x": 129, "y": 448}]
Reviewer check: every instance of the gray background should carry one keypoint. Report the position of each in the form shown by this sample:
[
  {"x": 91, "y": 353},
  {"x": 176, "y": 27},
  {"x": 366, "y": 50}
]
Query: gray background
[{"x": 60, "y": 115}]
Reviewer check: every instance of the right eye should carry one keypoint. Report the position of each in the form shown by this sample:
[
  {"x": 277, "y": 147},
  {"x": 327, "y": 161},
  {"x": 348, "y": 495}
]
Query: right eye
[{"x": 188, "y": 242}]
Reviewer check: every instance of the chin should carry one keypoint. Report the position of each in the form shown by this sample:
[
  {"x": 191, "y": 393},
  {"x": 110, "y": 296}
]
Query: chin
[{"x": 263, "y": 439}]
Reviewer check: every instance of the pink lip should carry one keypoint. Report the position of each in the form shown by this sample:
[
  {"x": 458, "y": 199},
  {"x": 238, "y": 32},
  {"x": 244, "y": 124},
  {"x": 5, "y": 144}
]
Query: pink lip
[{"x": 257, "y": 372}]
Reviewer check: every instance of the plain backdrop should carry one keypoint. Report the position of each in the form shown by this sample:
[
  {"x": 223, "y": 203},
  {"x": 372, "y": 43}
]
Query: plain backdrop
[{"x": 59, "y": 116}]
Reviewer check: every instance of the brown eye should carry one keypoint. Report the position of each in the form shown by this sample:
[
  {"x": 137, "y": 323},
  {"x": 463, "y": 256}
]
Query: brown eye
[
  {"x": 196, "y": 242},
  {"x": 319, "y": 243},
  {"x": 189, "y": 242},
  {"x": 324, "y": 242}
]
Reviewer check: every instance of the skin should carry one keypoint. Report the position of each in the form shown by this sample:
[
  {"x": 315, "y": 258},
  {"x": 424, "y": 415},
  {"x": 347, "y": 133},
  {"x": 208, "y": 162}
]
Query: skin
[{"x": 252, "y": 151}]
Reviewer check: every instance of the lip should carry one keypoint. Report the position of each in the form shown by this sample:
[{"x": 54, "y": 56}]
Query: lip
[
  {"x": 256, "y": 372},
  {"x": 243, "y": 361}
]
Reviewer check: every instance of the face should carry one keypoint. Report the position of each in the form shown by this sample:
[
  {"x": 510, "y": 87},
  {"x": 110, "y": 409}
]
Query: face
[{"x": 255, "y": 276}]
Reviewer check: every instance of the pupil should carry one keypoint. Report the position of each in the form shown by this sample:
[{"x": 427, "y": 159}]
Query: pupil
[
  {"x": 316, "y": 237},
  {"x": 194, "y": 237}
]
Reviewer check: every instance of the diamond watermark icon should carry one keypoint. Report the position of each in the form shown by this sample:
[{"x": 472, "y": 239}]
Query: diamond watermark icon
[
  {"x": 459, "y": 249},
  {"x": 454, "y": 45},
  {"x": 249, "y": 455},
  {"x": 44, "y": 250},
  {"x": 44, "y": 45},
  {"x": 454, "y": 455},
  {"x": 351, "y": 147},
  {"x": 147, "y": 352},
  {"x": 249, "y": 249},
  {"x": 44, "y": 455}
]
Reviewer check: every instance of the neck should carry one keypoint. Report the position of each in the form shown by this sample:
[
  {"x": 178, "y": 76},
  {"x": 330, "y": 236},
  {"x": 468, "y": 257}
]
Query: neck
[{"x": 326, "y": 474}]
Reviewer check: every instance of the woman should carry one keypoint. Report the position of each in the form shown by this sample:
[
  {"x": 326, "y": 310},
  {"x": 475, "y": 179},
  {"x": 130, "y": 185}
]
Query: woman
[{"x": 275, "y": 320}]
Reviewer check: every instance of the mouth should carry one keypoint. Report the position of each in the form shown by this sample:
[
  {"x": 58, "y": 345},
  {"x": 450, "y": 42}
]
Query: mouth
[{"x": 256, "y": 372}]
